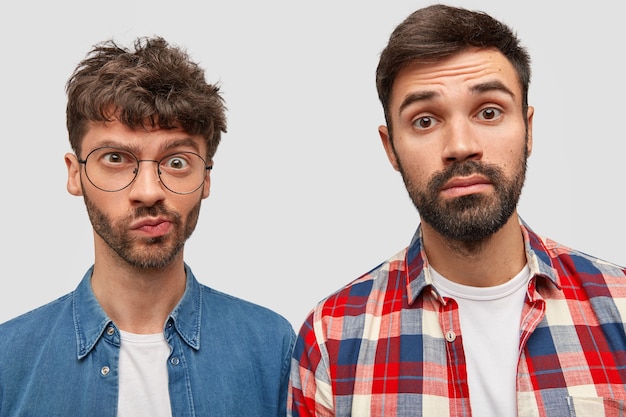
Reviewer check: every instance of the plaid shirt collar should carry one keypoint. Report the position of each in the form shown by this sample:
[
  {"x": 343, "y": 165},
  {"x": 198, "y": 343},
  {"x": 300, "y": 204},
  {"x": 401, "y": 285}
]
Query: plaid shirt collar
[{"x": 418, "y": 275}]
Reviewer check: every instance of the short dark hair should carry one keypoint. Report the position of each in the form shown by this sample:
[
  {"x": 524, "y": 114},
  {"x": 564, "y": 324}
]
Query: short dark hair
[
  {"x": 436, "y": 32},
  {"x": 153, "y": 85}
]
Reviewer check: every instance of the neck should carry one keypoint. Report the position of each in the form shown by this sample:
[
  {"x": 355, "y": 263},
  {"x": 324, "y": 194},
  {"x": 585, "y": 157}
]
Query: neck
[
  {"x": 489, "y": 262},
  {"x": 138, "y": 300}
]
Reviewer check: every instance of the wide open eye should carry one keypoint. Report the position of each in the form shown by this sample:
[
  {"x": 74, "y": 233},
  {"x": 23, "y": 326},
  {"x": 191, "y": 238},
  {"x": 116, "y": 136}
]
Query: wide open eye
[
  {"x": 424, "y": 122},
  {"x": 175, "y": 162},
  {"x": 113, "y": 158},
  {"x": 489, "y": 113}
]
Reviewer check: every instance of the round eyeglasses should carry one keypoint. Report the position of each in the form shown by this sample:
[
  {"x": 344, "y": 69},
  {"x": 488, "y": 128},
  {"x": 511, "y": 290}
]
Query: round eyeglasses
[{"x": 113, "y": 169}]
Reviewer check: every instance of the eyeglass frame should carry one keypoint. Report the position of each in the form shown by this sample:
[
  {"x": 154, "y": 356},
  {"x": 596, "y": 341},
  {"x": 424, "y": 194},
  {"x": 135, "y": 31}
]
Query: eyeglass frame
[{"x": 83, "y": 162}]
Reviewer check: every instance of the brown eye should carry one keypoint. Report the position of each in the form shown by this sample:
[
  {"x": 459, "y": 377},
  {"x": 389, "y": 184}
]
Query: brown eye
[
  {"x": 176, "y": 163},
  {"x": 490, "y": 113},
  {"x": 423, "y": 122},
  {"x": 113, "y": 158}
]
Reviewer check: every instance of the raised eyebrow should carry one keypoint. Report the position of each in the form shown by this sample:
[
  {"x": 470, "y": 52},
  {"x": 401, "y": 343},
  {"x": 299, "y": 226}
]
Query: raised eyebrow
[
  {"x": 478, "y": 88},
  {"x": 176, "y": 143},
  {"x": 492, "y": 86},
  {"x": 416, "y": 97}
]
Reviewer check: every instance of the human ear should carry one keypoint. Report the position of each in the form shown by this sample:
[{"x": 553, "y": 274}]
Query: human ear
[
  {"x": 529, "y": 135},
  {"x": 206, "y": 187},
  {"x": 73, "y": 175},
  {"x": 385, "y": 137}
]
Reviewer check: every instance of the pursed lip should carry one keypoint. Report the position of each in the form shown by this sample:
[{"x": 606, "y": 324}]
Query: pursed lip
[
  {"x": 148, "y": 222},
  {"x": 459, "y": 186},
  {"x": 152, "y": 226}
]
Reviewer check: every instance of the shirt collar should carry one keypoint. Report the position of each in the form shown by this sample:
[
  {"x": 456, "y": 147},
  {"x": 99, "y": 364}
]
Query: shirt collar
[
  {"x": 417, "y": 272},
  {"x": 186, "y": 316},
  {"x": 90, "y": 320}
]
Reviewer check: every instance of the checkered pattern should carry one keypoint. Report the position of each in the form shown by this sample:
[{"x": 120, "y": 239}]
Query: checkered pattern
[{"x": 388, "y": 345}]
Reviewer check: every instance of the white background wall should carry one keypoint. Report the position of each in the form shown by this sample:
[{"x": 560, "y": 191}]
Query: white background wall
[{"x": 303, "y": 198}]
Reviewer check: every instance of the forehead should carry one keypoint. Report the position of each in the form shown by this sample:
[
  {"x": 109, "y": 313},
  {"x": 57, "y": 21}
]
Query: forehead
[{"x": 458, "y": 73}]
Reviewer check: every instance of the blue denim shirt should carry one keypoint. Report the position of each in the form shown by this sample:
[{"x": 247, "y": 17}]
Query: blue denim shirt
[{"x": 228, "y": 357}]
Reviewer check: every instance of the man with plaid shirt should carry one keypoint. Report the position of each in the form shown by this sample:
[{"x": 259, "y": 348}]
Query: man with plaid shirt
[{"x": 479, "y": 315}]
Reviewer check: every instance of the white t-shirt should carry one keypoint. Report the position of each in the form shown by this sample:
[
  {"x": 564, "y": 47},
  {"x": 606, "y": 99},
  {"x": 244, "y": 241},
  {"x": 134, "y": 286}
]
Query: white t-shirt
[
  {"x": 143, "y": 376},
  {"x": 490, "y": 324}
]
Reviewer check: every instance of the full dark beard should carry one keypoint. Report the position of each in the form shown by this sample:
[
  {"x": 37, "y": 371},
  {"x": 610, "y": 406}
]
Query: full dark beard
[
  {"x": 472, "y": 218},
  {"x": 147, "y": 253}
]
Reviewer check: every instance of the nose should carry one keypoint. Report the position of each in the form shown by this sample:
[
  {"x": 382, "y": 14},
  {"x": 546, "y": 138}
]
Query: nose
[
  {"x": 147, "y": 188},
  {"x": 461, "y": 142}
]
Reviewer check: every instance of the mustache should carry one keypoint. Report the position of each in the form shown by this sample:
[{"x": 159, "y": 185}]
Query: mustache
[
  {"x": 463, "y": 169},
  {"x": 154, "y": 211}
]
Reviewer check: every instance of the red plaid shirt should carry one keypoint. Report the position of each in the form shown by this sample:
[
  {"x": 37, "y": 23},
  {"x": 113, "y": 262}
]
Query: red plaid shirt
[{"x": 388, "y": 345}]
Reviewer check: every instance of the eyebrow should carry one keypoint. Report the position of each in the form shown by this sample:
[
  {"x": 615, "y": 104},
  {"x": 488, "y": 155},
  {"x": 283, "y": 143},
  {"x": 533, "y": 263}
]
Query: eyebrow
[
  {"x": 478, "y": 88},
  {"x": 416, "y": 97},
  {"x": 167, "y": 146},
  {"x": 176, "y": 143},
  {"x": 492, "y": 86}
]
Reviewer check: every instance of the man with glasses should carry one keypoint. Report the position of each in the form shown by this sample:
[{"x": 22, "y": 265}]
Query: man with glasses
[{"x": 140, "y": 336}]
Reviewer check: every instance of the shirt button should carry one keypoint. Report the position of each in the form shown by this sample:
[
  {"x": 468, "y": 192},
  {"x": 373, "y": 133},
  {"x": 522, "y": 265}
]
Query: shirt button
[
  {"x": 450, "y": 336},
  {"x": 174, "y": 361},
  {"x": 110, "y": 331},
  {"x": 105, "y": 371}
]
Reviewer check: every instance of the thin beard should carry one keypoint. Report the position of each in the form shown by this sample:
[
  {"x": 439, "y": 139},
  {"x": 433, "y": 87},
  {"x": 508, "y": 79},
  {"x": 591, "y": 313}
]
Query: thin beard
[{"x": 103, "y": 226}]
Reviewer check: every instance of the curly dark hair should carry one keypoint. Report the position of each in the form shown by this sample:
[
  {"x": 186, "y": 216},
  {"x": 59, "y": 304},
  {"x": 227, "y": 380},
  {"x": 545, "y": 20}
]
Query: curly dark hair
[{"x": 153, "y": 85}]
